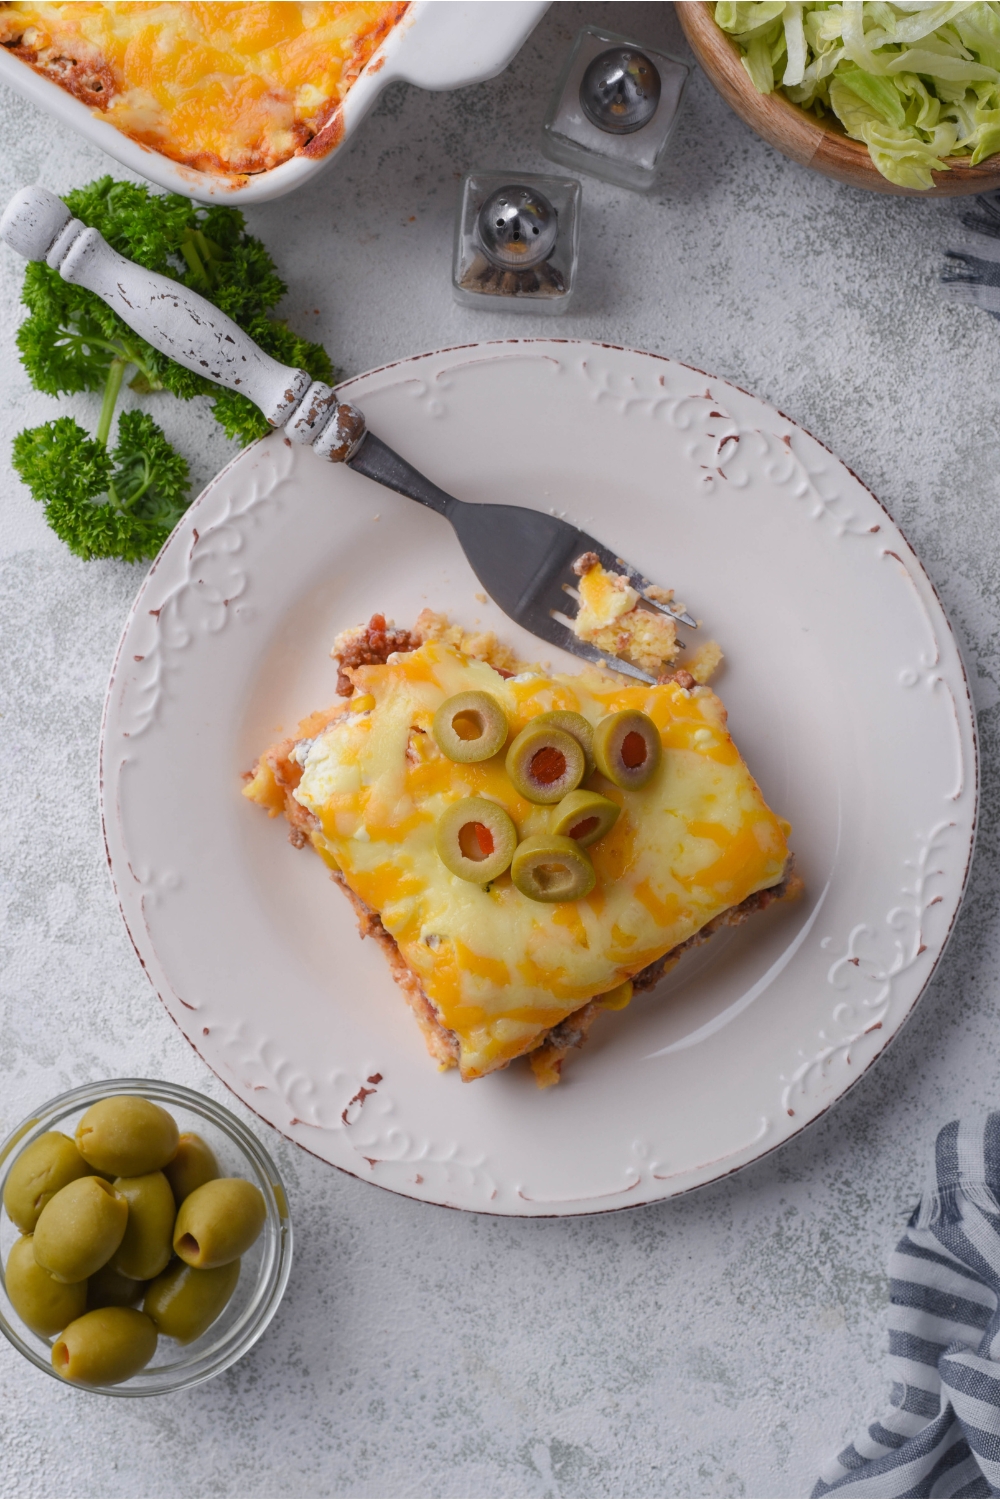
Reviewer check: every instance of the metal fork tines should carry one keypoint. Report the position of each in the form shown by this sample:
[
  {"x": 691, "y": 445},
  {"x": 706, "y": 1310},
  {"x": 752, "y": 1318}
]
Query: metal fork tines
[
  {"x": 613, "y": 564},
  {"x": 560, "y": 583},
  {"x": 523, "y": 558}
]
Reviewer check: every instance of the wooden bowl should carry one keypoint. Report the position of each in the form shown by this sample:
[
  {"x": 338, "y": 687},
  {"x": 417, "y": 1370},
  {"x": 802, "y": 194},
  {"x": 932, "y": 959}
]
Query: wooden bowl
[{"x": 816, "y": 143}]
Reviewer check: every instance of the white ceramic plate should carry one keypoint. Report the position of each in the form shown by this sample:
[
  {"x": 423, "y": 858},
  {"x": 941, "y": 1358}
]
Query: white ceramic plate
[
  {"x": 438, "y": 44},
  {"x": 846, "y": 694}
]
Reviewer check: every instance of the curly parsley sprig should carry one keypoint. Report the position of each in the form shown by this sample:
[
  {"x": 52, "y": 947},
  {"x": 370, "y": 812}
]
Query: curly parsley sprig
[{"x": 125, "y": 502}]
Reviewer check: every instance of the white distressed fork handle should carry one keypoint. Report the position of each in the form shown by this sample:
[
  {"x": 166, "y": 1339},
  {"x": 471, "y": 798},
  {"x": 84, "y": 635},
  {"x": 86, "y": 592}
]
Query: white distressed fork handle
[{"x": 179, "y": 323}]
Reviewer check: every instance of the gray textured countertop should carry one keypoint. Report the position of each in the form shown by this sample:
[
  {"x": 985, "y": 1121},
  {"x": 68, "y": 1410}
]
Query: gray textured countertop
[{"x": 724, "y": 1344}]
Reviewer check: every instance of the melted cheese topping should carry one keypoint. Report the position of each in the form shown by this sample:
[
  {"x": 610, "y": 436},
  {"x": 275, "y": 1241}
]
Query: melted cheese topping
[
  {"x": 231, "y": 87},
  {"x": 604, "y": 598},
  {"x": 610, "y": 618},
  {"x": 499, "y": 968}
]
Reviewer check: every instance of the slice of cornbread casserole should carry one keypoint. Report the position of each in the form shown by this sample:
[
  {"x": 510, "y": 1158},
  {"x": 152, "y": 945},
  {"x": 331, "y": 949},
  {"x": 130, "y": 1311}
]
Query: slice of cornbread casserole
[{"x": 663, "y": 837}]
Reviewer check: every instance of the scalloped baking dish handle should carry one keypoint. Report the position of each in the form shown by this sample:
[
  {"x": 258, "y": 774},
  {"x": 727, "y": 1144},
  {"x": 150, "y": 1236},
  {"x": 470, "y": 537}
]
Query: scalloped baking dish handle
[
  {"x": 439, "y": 44},
  {"x": 453, "y": 43}
]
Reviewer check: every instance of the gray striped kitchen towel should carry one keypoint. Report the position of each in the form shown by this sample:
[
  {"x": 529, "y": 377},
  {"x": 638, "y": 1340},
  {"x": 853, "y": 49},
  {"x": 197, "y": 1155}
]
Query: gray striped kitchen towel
[
  {"x": 940, "y": 1434},
  {"x": 972, "y": 274}
]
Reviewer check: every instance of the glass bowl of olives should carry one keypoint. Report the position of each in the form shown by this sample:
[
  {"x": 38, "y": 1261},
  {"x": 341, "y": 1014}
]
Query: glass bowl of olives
[{"x": 145, "y": 1241}]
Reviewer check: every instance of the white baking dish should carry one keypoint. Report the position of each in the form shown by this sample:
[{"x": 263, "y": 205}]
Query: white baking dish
[{"x": 439, "y": 44}]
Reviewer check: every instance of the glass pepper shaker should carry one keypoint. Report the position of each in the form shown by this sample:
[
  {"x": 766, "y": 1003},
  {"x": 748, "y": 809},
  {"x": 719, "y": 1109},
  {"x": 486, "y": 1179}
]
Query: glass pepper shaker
[
  {"x": 516, "y": 241},
  {"x": 614, "y": 108}
]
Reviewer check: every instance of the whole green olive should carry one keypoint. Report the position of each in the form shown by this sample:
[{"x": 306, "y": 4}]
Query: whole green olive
[
  {"x": 105, "y": 1347},
  {"x": 127, "y": 1135},
  {"x": 109, "y": 1288},
  {"x": 193, "y": 1165},
  {"x": 476, "y": 839},
  {"x": 219, "y": 1222},
  {"x": 80, "y": 1229},
  {"x": 38, "y": 1173},
  {"x": 145, "y": 1247},
  {"x": 44, "y": 1304},
  {"x": 184, "y": 1302}
]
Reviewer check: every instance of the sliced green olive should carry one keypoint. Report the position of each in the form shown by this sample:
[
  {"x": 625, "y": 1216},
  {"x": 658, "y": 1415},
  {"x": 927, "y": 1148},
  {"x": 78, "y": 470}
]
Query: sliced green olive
[
  {"x": 476, "y": 839},
  {"x": 548, "y": 867},
  {"x": 545, "y": 763},
  {"x": 574, "y": 724},
  {"x": 585, "y": 817},
  {"x": 627, "y": 748},
  {"x": 470, "y": 727}
]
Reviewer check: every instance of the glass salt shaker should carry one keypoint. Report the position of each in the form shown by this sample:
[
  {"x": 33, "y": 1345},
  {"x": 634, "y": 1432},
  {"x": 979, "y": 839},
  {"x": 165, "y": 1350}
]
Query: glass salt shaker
[
  {"x": 516, "y": 241},
  {"x": 614, "y": 108}
]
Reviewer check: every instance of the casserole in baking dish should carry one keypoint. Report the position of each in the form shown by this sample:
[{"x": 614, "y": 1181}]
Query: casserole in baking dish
[
  {"x": 246, "y": 100},
  {"x": 235, "y": 88}
]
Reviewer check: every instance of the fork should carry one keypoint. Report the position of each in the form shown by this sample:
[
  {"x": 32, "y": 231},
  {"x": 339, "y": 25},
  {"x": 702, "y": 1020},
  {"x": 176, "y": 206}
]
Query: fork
[{"x": 523, "y": 558}]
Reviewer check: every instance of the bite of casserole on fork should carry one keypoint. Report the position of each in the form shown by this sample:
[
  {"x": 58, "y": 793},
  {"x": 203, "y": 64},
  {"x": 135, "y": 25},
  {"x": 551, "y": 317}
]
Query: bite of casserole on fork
[{"x": 613, "y": 618}]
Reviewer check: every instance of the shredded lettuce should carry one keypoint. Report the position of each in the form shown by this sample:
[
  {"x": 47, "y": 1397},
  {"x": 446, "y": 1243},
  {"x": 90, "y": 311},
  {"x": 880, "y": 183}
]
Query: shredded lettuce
[{"x": 917, "y": 82}]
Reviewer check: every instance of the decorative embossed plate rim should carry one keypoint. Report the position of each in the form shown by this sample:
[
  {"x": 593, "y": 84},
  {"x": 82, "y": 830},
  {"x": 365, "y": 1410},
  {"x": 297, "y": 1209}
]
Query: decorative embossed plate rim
[{"x": 846, "y": 692}]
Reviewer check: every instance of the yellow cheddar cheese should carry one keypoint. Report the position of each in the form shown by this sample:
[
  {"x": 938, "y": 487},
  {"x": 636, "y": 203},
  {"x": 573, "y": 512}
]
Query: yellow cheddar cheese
[{"x": 499, "y": 969}]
